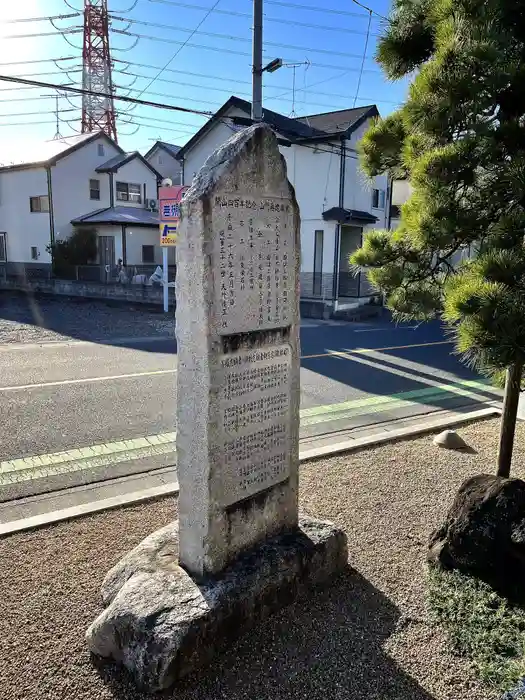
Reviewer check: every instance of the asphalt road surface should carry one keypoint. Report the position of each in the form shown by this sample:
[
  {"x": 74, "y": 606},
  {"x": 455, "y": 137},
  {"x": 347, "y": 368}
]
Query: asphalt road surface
[{"x": 73, "y": 394}]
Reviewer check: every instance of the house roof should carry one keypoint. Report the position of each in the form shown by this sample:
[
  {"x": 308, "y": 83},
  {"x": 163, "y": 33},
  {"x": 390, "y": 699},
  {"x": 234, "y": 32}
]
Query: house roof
[
  {"x": 348, "y": 216},
  {"x": 284, "y": 125},
  {"x": 171, "y": 148},
  {"x": 45, "y": 153},
  {"x": 134, "y": 216},
  {"x": 113, "y": 164},
  {"x": 340, "y": 121},
  {"x": 313, "y": 127}
]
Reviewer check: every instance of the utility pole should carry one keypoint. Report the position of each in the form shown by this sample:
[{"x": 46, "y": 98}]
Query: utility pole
[{"x": 257, "y": 67}]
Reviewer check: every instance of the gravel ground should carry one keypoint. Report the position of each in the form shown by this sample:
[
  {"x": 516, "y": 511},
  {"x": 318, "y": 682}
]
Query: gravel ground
[
  {"x": 366, "y": 637},
  {"x": 26, "y": 319}
]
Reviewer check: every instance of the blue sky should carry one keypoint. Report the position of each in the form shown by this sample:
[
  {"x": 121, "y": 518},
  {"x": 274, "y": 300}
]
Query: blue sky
[{"x": 329, "y": 54}]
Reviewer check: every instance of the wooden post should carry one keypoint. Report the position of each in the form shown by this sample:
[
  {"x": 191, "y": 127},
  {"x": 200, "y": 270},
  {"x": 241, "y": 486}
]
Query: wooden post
[{"x": 508, "y": 418}]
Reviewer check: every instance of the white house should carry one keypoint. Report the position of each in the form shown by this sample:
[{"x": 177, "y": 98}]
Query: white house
[
  {"x": 338, "y": 204},
  {"x": 163, "y": 157},
  {"x": 78, "y": 181}
]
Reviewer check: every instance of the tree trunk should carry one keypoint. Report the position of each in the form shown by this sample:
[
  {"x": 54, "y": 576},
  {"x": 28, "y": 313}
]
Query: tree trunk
[{"x": 508, "y": 418}]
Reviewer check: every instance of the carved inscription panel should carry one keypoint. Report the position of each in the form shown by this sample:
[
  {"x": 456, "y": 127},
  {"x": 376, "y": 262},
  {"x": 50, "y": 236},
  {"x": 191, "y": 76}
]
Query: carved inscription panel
[
  {"x": 255, "y": 419},
  {"x": 253, "y": 263}
]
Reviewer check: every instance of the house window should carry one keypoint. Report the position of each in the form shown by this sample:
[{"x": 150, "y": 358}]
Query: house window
[
  {"x": 34, "y": 252},
  {"x": 100, "y": 148},
  {"x": 318, "y": 262},
  {"x": 129, "y": 192},
  {"x": 378, "y": 199},
  {"x": 39, "y": 204},
  {"x": 161, "y": 161},
  {"x": 3, "y": 248},
  {"x": 148, "y": 253},
  {"x": 94, "y": 189}
]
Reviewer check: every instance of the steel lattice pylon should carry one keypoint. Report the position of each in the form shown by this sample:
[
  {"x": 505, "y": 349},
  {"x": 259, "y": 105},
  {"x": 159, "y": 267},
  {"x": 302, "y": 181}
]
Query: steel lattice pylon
[{"x": 98, "y": 113}]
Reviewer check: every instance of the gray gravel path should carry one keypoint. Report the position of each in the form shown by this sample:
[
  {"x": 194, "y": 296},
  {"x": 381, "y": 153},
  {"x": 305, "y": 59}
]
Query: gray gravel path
[
  {"x": 26, "y": 319},
  {"x": 364, "y": 638}
]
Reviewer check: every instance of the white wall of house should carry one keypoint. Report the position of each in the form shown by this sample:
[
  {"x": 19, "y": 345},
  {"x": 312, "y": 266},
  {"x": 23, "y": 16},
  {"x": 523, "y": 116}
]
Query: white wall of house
[
  {"x": 137, "y": 173},
  {"x": 24, "y": 228},
  {"x": 315, "y": 175},
  {"x": 136, "y": 238},
  {"x": 70, "y": 182},
  {"x": 359, "y": 189},
  {"x": 215, "y": 137},
  {"x": 401, "y": 191},
  {"x": 166, "y": 164}
]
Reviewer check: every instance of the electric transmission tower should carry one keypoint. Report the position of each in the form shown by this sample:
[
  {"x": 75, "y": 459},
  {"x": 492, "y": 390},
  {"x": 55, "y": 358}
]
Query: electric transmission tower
[{"x": 98, "y": 113}]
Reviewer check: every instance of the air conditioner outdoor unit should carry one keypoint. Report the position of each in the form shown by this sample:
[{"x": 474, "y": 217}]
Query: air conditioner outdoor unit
[{"x": 152, "y": 204}]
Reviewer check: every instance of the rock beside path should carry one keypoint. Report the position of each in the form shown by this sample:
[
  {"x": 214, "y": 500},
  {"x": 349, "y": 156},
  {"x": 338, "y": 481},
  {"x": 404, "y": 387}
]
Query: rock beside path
[
  {"x": 450, "y": 440},
  {"x": 484, "y": 533}
]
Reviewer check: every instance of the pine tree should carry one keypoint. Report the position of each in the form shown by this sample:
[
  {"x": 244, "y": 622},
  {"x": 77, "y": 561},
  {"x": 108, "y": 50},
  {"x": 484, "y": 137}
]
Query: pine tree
[{"x": 459, "y": 138}]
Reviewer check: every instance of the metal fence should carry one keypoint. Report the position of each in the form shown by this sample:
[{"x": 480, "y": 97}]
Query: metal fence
[
  {"x": 130, "y": 274},
  {"x": 320, "y": 285},
  {"x": 24, "y": 272},
  {"x": 314, "y": 285}
]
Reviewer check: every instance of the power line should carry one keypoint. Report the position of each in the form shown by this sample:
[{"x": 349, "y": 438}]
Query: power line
[
  {"x": 237, "y": 81},
  {"x": 228, "y": 89},
  {"x": 208, "y": 13},
  {"x": 369, "y": 9},
  {"x": 36, "y": 75},
  {"x": 230, "y": 37},
  {"x": 232, "y": 51},
  {"x": 40, "y": 60},
  {"x": 164, "y": 121},
  {"x": 80, "y": 91},
  {"x": 39, "y": 19},
  {"x": 233, "y": 13},
  {"x": 313, "y": 8},
  {"x": 33, "y": 36},
  {"x": 33, "y": 114},
  {"x": 363, "y": 61},
  {"x": 28, "y": 123}
]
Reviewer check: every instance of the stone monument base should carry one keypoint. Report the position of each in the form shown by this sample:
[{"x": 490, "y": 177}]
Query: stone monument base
[{"x": 162, "y": 624}]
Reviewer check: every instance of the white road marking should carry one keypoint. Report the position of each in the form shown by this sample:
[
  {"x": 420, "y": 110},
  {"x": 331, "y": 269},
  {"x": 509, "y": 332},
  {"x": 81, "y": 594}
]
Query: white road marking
[
  {"x": 71, "y": 342},
  {"x": 385, "y": 328},
  {"x": 87, "y": 380}
]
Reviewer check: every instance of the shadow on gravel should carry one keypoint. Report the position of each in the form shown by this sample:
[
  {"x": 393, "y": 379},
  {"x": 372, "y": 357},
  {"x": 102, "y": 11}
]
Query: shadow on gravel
[
  {"x": 26, "y": 318},
  {"x": 325, "y": 647}
]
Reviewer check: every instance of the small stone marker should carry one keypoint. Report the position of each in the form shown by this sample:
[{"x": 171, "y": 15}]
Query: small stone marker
[
  {"x": 450, "y": 440},
  {"x": 239, "y": 551}
]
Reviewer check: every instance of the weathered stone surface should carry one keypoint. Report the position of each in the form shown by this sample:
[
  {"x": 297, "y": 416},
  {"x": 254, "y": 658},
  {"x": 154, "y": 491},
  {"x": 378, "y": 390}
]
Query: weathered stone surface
[
  {"x": 238, "y": 259},
  {"x": 162, "y": 624},
  {"x": 484, "y": 533},
  {"x": 450, "y": 440}
]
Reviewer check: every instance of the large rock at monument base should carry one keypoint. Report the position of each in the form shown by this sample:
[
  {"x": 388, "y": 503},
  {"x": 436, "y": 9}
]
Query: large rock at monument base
[
  {"x": 161, "y": 623},
  {"x": 484, "y": 533}
]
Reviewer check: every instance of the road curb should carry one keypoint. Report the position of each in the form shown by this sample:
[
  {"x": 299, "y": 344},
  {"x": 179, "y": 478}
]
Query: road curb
[
  {"x": 172, "y": 489},
  {"x": 397, "y": 434},
  {"x": 57, "y": 516}
]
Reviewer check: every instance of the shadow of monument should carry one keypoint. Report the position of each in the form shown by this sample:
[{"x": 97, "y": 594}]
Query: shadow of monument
[{"x": 326, "y": 646}]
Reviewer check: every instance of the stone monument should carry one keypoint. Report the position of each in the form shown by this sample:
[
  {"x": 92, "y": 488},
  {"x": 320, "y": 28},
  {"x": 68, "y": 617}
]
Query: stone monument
[{"x": 239, "y": 550}]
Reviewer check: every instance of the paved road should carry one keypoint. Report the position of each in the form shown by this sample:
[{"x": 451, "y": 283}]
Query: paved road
[{"x": 67, "y": 395}]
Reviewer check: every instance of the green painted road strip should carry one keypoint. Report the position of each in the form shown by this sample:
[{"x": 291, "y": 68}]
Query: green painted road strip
[
  {"x": 375, "y": 404},
  {"x": 104, "y": 455},
  {"x": 92, "y": 457}
]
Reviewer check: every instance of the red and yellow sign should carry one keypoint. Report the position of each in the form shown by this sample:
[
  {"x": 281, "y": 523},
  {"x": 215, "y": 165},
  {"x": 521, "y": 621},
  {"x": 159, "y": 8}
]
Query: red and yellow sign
[{"x": 169, "y": 211}]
